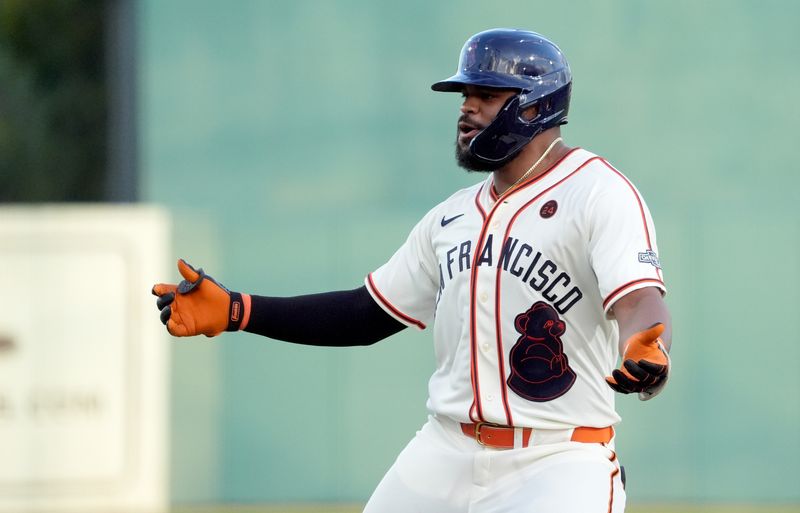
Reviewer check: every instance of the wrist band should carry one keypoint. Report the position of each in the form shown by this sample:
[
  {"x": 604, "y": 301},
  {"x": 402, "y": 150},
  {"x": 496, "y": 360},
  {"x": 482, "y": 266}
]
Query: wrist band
[{"x": 238, "y": 311}]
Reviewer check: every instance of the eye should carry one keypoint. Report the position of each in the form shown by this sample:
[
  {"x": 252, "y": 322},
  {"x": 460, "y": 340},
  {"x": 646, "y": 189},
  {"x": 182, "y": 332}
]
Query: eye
[{"x": 548, "y": 324}]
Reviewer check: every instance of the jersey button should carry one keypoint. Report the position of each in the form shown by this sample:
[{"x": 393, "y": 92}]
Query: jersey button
[
  {"x": 484, "y": 297},
  {"x": 485, "y": 347},
  {"x": 495, "y": 223}
]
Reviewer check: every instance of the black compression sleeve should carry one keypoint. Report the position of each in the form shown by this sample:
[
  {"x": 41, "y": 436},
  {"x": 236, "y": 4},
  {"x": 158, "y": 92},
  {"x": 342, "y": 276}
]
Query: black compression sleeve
[{"x": 344, "y": 318}]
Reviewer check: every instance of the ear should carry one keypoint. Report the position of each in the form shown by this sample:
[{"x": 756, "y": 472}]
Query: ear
[{"x": 521, "y": 322}]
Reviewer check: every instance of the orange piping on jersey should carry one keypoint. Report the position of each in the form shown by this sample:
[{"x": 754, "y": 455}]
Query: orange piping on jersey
[
  {"x": 611, "y": 494},
  {"x": 621, "y": 289},
  {"x": 499, "y": 340},
  {"x": 614, "y": 473},
  {"x": 391, "y": 307},
  {"x": 641, "y": 210},
  {"x": 473, "y": 409},
  {"x": 498, "y": 325},
  {"x": 478, "y": 203},
  {"x": 473, "y": 281}
]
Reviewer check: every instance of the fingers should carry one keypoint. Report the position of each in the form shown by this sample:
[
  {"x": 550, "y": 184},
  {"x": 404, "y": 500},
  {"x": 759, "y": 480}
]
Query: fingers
[
  {"x": 166, "y": 295},
  {"x": 616, "y": 386},
  {"x": 187, "y": 271},
  {"x": 164, "y": 303},
  {"x": 634, "y": 370},
  {"x": 165, "y": 300},
  {"x": 652, "y": 368},
  {"x": 623, "y": 381},
  {"x": 187, "y": 286},
  {"x": 191, "y": 277},
  {"x": 636, "y": 376},
  {"x": 166, "y": 313},
  {"x": 160, "y": 289},
  {"x": 654, "y": 331}
]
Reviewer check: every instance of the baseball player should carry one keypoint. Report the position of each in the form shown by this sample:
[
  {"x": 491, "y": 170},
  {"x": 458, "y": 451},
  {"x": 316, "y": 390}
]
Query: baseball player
[{"x": 535, "y": 280}]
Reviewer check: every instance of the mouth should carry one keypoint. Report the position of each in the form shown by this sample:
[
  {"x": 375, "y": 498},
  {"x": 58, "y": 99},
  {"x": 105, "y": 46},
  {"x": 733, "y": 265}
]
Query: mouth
[{"x": 466, "y": 131}]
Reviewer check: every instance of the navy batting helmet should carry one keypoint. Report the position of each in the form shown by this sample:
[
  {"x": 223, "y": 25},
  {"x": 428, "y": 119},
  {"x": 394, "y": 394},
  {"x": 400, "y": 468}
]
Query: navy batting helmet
[{"x": 513, "y": 59}]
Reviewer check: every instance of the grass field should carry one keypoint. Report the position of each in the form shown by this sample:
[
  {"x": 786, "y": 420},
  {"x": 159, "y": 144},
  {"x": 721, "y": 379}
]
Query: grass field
[{"x": 355, "y": 508}]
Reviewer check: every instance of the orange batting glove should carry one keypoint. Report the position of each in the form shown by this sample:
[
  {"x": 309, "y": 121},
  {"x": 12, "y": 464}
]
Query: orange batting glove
[
  {"x": 645, "y": 365},
  {"x": 200, "y": 305}
]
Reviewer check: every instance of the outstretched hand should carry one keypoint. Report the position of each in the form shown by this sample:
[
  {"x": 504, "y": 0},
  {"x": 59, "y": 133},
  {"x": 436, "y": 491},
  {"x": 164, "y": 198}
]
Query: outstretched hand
[
  {"x": 200, "y": 305},
  {"x": 645, "y": 365}
]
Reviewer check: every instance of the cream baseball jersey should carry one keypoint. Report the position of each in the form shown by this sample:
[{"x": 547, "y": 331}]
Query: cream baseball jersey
[{"x": 519, "y": 290}]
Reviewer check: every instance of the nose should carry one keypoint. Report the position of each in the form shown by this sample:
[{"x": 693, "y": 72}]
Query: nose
[{"x": 470, "y": 105}]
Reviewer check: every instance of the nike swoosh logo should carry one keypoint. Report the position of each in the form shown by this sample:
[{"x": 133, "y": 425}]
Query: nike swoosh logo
[{"x": 445, "y": 222}]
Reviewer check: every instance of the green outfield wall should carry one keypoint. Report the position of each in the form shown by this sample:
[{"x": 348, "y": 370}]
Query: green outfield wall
[{"x": 297, "y": 142}]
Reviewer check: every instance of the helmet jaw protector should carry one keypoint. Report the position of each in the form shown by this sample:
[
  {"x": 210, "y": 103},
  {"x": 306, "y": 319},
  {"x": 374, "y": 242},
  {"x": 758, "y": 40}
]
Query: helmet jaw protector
[
  {"x": 513, "y": 59},
  {"x": 509, "y": 132},
  {"x": 503, "y": 138}
]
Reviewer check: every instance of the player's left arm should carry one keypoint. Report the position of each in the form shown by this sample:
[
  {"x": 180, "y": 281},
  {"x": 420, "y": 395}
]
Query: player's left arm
[{"x": 645, "y": 338}]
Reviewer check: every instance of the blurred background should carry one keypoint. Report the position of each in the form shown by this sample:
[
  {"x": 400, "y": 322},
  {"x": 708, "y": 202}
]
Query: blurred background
[{"x": 292, "y": 145}]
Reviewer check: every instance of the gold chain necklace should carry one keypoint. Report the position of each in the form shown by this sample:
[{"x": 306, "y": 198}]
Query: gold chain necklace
[{"x": 530, "y": 170}]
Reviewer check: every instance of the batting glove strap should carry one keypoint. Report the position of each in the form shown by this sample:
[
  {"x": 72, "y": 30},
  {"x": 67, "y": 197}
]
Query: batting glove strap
[{"x": 239, "y": 311}]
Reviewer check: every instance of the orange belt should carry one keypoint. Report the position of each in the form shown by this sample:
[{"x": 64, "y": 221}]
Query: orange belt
[{"x": 502, "y": 437}]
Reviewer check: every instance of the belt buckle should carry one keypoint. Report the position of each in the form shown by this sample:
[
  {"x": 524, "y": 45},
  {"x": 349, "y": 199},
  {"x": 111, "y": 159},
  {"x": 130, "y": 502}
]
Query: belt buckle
[{"x": 478, "y": 438}]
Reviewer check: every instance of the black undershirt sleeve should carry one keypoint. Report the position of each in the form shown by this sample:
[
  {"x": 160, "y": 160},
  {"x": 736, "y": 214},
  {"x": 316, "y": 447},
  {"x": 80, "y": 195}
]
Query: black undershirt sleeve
[{"x": 334, "y": 319}]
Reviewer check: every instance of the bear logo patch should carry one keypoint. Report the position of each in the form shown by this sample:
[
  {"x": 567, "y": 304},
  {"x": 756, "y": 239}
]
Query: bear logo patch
[{"x": 540, "y": 370}]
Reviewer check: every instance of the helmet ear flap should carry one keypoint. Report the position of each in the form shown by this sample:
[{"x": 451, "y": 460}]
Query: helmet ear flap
[{"x": 554, "y": 108}]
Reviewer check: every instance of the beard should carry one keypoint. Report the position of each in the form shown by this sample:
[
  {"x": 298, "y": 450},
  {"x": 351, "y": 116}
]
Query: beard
[{"x": 466, "y": 160}]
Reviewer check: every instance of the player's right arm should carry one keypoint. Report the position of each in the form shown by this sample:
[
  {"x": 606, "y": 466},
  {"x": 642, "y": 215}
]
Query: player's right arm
[
  {"x": 199, "y": 305},
  {"x": 393, "y": 297}
]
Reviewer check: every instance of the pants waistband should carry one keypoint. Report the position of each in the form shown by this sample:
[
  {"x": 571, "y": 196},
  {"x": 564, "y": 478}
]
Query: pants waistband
[{"x": 507, "y": 437}]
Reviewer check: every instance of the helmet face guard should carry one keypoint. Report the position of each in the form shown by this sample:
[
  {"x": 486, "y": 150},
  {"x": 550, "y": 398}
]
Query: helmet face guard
[
  {"x": 513, "y": 59},
  {"x": 505, "y": 137}
]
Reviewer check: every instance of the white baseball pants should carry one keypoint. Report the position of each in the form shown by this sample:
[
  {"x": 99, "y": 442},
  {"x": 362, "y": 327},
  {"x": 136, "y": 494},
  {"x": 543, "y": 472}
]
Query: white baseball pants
[{"x": 443, "y": 471}]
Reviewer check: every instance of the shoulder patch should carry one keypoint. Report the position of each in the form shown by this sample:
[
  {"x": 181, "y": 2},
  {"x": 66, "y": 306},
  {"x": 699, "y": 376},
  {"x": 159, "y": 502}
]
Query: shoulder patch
[{"x": 650, "y": 257}]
